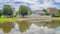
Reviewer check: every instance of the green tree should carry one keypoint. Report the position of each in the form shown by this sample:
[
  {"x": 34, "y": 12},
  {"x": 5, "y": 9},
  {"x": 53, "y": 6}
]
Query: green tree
[
  {"x": 17, "y": 13},
  {"x": 1, "y": 12},
  {"x": 58, "y": 14},
  {"x": 7, "y": 10},
  {"x": 23, "y": 10},
  {"x": 46, "y": 11},
  {"x": 59, "y": 11}
]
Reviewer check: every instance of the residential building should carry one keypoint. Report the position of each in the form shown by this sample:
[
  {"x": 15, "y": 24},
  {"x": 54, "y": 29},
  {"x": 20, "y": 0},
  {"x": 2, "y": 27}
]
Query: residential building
[
  {"x": 52, "y": 11},
  {"x": 39, "y": 12}
]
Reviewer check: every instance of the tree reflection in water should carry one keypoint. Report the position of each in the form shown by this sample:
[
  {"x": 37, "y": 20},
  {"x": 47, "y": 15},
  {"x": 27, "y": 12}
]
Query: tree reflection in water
[
  {"x": 0, "y": 25},
  {"x": 23, "y": 26},
  {"x": 52, "y": 24},
  {"x": 7, "y": 27}
]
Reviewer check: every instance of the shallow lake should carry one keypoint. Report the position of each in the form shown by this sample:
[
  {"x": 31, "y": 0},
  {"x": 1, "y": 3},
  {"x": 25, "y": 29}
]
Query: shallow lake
[{"x": 30, "y": 27}]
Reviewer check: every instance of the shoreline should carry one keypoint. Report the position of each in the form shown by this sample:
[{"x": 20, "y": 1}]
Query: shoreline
[{"x": 25, "y": 19}]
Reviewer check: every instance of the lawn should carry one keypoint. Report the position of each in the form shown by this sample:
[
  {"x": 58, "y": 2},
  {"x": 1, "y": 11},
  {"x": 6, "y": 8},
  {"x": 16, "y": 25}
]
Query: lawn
[
  {"x": 4, "y": 19},
  {"x": 7, "y": 19}
]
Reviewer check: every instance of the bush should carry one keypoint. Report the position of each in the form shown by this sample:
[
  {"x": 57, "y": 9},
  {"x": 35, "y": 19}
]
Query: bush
[
  {"x": 3, "y": 17},
  {"x": 57, "y": 15}
]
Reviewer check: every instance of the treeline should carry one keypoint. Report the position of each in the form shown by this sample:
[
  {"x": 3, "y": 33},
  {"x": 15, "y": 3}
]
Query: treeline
[{"x": 8, "y": 11}]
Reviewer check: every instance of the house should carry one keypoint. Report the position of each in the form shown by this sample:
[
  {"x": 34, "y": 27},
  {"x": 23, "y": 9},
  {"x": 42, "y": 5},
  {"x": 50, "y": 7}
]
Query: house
[
  {"x": 52, "y": 11},
  {"x": 39, "y": 12}
]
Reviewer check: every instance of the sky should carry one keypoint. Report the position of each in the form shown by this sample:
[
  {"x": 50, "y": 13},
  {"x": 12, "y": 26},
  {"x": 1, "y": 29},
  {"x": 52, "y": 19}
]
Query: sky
[{"x": 33, "y": 4}]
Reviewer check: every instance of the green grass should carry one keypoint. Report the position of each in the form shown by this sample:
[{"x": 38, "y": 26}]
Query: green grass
[
  {"x": 4, "y": 19},
  {"x": 8, "y": 19},
  {"x": 58, "y": 21}
]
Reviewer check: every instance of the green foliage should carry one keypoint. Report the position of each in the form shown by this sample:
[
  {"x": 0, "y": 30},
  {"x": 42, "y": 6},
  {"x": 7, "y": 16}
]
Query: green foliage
[
  {"x": 58, "y": 14},
  {"x": 1, "y": 12},
  {"x": 46, "y": 12},
  {"x": 17, "y": 13},
  {"x": 7, "y": 10},
  {"x": 23, "y": 10},
  {"x": 3, "y": 17},
  {"x": 59, "y": 11}
]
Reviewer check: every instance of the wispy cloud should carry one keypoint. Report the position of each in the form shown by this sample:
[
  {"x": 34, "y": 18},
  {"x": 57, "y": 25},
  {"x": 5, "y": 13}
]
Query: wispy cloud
[
  {"x": 33, "y": 4},
  {"x": 57, "y": 1}
]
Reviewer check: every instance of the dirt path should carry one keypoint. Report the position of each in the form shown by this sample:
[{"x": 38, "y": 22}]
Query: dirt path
[{"x": 39, "y": 18}]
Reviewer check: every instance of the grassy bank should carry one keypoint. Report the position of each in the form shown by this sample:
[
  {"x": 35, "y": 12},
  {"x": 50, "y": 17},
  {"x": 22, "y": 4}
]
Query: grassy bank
[
  {"x": 4, "y": 19},
  {"x": 8, "y": 19}
]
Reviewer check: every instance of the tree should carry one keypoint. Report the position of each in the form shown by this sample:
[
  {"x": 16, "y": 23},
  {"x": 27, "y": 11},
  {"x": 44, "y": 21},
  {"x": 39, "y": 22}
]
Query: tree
[
  {"x": 7, "y": 10},
  {"x": 23, "y": 10},
  {"x": 46, "y": 11},
  {"x": 17, "y": 13},
  {"x": 1, "y": 12},
  {"x": 59, "y": 11},
  {"x": 58, "y": 14}
]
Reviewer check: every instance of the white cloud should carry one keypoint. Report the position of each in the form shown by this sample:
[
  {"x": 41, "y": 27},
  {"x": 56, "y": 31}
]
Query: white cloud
[
  {"x": 58, "y": 1},
  {"x": 6, "y": 0},
  {"x": 27, "y": 1},
  {"x": 35, "y": 4}
]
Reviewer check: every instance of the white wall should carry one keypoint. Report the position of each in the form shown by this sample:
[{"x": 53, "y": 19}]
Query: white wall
[{"x": 40, "y": 16}]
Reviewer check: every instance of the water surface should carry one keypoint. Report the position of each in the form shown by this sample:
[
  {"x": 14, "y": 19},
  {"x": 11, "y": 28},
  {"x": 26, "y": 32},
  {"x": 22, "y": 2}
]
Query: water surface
[{"x": 30, "y": 27}]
